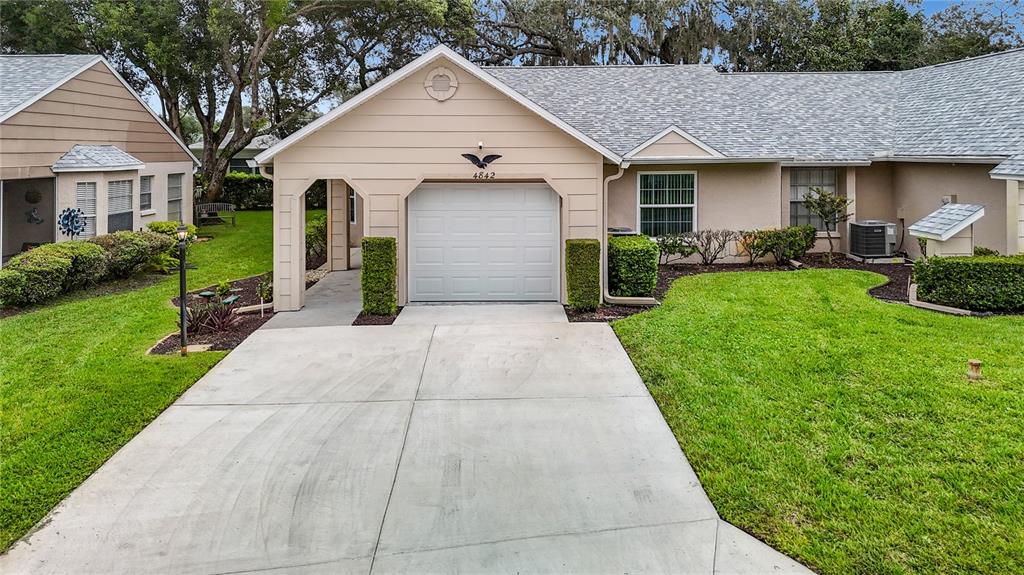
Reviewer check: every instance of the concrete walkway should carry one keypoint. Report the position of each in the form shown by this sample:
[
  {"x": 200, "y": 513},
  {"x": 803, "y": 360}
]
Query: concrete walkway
[
  {"x": 519, "y": 447},
  {"x": 334, "y": 300}
]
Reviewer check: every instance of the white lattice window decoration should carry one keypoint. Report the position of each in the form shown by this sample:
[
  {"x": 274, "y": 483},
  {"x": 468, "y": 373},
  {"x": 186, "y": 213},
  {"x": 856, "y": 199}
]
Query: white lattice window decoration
[{"x": 441, "y": 84}]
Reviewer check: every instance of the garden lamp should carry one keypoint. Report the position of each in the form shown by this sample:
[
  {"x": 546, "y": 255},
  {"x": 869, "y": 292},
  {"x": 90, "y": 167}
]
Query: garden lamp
[{"x": 182, "y": 233}]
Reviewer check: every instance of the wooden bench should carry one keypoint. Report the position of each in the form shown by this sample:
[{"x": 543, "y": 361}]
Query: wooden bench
[{"x": 215, "y": 211}]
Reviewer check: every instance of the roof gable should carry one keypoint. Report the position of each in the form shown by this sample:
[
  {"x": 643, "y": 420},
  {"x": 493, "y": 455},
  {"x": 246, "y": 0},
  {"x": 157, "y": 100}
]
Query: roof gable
[
  {"x": 673, "y": 143},
  {"x": 439, "y": 52},
  {"x": 25, "y": 80}
]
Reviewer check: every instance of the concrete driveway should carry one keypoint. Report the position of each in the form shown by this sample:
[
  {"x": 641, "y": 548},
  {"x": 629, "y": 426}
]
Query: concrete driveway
[{"x": 497, "y": 439}]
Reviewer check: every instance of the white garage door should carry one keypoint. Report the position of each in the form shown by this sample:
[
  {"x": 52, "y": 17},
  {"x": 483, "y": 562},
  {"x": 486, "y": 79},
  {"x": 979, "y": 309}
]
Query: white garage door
[{"x": 483, "y": 242}]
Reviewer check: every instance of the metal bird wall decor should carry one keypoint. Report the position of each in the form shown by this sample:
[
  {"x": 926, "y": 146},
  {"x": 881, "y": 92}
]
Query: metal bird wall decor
[{"x": 482, "y": 164}]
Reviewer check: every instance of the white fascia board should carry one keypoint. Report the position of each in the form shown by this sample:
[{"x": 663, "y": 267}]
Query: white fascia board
[
  {"x": 673, "y": 128},
  {"x": 941, "y": 159},
  {"x": 998, "y": 176},
  {"x": 124, "y": 168},
  {"x": 824, "y": 163},
  {"x": 703, "y": 160},
  {"x": 437, "y": 52},
  {"x": 195, "y": 160},
  {"x": 52, "y": 87}
]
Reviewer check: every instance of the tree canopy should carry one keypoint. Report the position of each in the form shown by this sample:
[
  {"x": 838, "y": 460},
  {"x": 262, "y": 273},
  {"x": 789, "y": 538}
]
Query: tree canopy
[{"x": 229, "y": 70}]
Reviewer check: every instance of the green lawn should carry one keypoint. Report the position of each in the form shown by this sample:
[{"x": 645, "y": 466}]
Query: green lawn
[
  {"x": 76, "y": 385},
  {"x": 841, "y": 429}
]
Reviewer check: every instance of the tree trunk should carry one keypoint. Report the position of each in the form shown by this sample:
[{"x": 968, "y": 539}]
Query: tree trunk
[{"x": 214, "y": 173}]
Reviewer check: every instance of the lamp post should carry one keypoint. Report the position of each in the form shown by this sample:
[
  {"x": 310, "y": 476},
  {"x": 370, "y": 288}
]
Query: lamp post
[{"x": 182, "y": 234}]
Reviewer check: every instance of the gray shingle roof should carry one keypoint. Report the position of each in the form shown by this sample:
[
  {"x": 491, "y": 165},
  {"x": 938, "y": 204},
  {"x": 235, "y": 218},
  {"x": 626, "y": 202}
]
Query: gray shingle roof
[
  {"x": 22, "y": 78},
  {"x": 971, "y": 107},
  {"x": 1011, "y": 168},
  {"x": 99, "y": 158},
  {"x": 947, "y": 221}
]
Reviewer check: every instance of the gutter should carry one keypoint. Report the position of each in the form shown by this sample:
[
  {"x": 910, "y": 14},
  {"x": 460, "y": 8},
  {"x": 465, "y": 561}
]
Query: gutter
[{"x": 608, "y": 298}]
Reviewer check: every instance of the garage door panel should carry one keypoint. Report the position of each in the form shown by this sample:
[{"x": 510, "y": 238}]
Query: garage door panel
[{"x": 483, "y": 242}]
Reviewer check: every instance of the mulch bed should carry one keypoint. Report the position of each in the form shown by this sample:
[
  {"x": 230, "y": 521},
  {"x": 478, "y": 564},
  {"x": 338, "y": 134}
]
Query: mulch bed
[
  {"x": 367, "y": 319},
  {"x": 894, "y": 291},
  {"x": 247, "y": 290},
  {"x": 218, "y": 341}
]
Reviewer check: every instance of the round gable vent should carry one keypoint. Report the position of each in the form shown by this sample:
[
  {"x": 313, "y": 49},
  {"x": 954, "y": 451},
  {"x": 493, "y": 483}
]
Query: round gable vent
[{"x": 441, "y": 84}]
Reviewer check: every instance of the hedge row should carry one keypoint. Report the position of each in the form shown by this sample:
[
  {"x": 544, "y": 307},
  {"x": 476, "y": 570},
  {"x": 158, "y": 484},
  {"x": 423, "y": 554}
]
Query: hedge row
[
  {"x": 632, "y": 266},
  {"x": 254, "y": 192},
  {"x": 379, "y": 275},
  {"x": 583, "y": 274},
  {"x": 52, "y": 269},
  {"x": 985, "y": 283}
]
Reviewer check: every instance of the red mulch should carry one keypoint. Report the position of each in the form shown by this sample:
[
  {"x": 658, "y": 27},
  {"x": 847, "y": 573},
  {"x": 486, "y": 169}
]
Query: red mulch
[
  {"x": 895, "y": 290},
  {"x": 368, "y": 319}
]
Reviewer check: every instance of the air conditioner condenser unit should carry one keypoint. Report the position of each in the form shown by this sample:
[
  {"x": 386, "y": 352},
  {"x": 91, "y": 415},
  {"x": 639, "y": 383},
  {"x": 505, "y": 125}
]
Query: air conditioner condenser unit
[{"x": 872, "y": 238}]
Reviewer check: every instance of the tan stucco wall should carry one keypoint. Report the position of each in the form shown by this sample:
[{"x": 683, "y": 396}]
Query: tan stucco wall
[
  {"x": 729, "y": 196},
  {"x": 385, "y": 147},
  {"x": 672, "y": 145},
  {"x": 92, "y": 108},
  {"x": 918, "y": 189}
]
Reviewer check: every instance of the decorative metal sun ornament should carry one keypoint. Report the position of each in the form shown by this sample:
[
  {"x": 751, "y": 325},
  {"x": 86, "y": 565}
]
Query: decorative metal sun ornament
[{"x": 71, "y": 222}]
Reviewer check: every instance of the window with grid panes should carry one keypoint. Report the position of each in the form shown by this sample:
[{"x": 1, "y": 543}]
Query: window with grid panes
[
  {"x": 668, "y": 202},
  {"x": 801, "y": 180}
]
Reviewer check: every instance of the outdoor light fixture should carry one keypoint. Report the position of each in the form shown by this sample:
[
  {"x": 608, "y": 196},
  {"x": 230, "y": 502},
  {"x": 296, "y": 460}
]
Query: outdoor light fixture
[{"x": 182, "y": 234}]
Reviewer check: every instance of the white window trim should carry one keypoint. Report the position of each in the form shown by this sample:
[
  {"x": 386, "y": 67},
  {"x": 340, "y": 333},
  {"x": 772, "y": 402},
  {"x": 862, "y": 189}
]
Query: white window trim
[
  {"x": 152, "y": 181},
  {"x": 696, "y": 187}
]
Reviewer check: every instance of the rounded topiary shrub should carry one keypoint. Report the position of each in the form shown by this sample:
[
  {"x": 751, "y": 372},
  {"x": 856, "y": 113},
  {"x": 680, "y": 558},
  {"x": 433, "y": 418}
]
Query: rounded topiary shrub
[
  {"x": 12, "y": 287},
  {"x": 88, "y": 262},
  {"x": 632, "y": 266},
  {"x": 378, "y": 275},
  {"x": 583, "y": 273},
  {"x": 44, "y": 272},
  {"x": 129, "y": 252}
]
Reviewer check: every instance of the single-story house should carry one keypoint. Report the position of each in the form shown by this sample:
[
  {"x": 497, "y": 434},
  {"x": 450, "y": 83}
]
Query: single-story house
[
  {"x": 242, "y": 161},
  {"x": 569, "y": 152},
  {"x": 73, "y": 134}
]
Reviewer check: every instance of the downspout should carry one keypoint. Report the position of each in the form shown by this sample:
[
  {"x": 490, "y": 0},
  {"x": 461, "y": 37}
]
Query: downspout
[{"x": 608, "y": 298}]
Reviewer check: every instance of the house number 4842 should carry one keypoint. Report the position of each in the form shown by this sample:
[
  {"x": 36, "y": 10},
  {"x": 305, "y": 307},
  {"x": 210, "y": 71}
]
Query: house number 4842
[{"x": 483, "y": 176}]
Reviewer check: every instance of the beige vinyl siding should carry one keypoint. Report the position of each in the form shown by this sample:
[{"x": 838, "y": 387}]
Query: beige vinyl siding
[
  {"x": 92, "y": 108},
  {"x": 388, "y": 145},
  {"x": 672, "y": 145}
]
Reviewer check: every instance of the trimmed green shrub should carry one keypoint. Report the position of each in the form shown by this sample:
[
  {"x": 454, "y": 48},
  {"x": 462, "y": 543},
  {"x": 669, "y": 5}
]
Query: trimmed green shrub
[
  {"x": 129, "y": 252},
  {"x": 800, "y": 240},
  {"x": 316, "y": 238},
  {"x": 170, "y": 229},
  {"x": 983, "y": 283},
  {"x": 378, "y": 275},
  {"x": 45, "y": 274},
  {"x": 632, "y": 266},
  {"x": 983, "y": 251},
  {"x": 753, "y": 244},
  {"x": 246, "y": 191},
  {"x": 88, "y": 262},
  {"x": 790, "y": 243},
  {"x": 12, "y": 287},
  {"x": 583, "y": 273}
]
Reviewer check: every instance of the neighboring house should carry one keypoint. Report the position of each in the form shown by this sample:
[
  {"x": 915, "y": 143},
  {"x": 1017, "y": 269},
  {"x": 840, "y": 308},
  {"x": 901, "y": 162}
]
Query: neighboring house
[
  {"x": 659, "y": 149},
  {"x": 73, "y": 134},
  {"x": 244, "y": 161}
]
